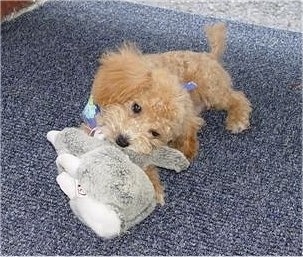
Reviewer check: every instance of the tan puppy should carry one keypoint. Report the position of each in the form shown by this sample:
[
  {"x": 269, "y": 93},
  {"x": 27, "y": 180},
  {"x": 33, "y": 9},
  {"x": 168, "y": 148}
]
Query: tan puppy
[{"x": 145, "y": 104}]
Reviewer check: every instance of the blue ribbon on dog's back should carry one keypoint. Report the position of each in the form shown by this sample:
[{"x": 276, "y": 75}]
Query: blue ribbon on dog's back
[{"x": 189, "y": 86}]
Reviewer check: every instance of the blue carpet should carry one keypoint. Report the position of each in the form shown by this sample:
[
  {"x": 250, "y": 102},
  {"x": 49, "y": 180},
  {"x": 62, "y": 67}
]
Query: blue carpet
[{"x": 241, "y": 196}]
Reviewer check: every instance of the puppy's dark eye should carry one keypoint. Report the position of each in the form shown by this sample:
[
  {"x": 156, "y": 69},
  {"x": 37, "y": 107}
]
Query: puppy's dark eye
[
  {"x": 154, "y": 133},
  {"x": 136, "y": 108}
]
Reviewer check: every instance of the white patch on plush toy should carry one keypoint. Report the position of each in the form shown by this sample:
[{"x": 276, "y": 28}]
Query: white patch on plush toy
[
  {"x": 100, "y": 217},
  {"x": 69, "y": 162}
]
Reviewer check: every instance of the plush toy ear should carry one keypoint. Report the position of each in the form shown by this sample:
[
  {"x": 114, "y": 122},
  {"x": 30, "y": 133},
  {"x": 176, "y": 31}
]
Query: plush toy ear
[
  {"x": 74, "y": 141},
  {"x": 169, "y": 158},
  {"x": 69, "y": 163},
  {"x": 51, "y": 136}
]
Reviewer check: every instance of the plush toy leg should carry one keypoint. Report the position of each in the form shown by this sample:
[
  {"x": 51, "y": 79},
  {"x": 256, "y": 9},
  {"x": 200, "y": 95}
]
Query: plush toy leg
[
  {"x": 98, "y": 216},
  {"x": 67, "y": 184},
  {"x": 69, "y": 162},
  {"x": 51, "y": 136}
]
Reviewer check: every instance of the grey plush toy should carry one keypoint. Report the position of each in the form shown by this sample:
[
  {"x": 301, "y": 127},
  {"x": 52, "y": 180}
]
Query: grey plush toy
[{"x": 108, "y": 190}]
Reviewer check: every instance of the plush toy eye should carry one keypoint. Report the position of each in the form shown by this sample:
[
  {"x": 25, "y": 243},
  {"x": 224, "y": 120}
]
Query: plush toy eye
[
  {"x": 136, "y": 108},
  {"x": 154, "y": 133}
]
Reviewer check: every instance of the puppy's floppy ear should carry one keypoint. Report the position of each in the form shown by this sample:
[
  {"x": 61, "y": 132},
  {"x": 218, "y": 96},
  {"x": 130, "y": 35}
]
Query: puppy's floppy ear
[
  {"x": 121, "y": 76},
  {"x": 187, "y": 142}
]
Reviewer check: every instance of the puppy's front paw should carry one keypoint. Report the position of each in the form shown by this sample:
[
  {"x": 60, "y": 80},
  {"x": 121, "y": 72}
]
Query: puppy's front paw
[
  {"x": 153, "y": 175},
  {"x": 160, "y": 198}
]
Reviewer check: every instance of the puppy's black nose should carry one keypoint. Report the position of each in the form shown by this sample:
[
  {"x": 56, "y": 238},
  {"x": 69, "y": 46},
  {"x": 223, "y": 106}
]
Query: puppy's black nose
[{"x": 122, "y": 141}]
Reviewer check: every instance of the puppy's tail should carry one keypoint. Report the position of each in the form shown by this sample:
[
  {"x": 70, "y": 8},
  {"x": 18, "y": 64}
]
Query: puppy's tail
[{"x": 216, "y": 35}]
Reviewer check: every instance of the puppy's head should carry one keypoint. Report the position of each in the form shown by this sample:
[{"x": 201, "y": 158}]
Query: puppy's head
[
  {"x": 143, "y": 107},
  {"x": 121, "y": 76}
]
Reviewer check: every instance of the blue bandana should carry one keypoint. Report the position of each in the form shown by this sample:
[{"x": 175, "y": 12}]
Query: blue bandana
[{"x": 90, "y": 112}]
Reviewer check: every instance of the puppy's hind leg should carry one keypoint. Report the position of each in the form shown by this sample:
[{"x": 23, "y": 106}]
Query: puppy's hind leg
[
  {"x": 234, "y": 102},
  {"x": 238, "y": 110}
]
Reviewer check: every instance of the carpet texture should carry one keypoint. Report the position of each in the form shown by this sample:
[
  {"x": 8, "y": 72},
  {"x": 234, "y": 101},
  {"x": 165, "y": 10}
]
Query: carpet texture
[{"x": 241, "y": 196}]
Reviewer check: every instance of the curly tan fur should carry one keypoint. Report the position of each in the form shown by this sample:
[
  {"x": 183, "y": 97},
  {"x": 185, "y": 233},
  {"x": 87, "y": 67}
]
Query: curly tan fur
[{"x": 167, "y": 114}]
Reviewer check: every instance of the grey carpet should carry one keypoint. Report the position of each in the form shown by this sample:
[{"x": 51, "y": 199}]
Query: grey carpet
[{"x": 241, "y": 196}]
